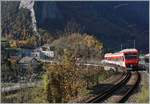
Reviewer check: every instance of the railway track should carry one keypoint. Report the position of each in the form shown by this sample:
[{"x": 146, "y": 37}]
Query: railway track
[
  {"x": 135, "y": 83},
  {"x": 102, "y": 97}
]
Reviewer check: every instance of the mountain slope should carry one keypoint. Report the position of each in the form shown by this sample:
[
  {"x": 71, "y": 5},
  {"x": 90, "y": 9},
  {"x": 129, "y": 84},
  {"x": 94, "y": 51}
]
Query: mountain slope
[{"x": 114, "y": 22}]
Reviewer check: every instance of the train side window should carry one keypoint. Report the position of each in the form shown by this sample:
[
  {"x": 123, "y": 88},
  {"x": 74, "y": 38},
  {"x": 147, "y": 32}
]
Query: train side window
[
  {"x": 109, "y": 58},
  {"x": 122, "y": 58}
]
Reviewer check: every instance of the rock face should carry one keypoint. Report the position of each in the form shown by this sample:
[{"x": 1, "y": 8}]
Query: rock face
[
  {"x": 115, "y": 23},
  {"x": 29, "y": 4},
  {"x": 16, "y": 23}
]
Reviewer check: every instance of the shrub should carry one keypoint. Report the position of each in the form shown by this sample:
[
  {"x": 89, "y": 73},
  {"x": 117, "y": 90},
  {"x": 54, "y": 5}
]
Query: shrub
[{"x": 62, "y": 81}]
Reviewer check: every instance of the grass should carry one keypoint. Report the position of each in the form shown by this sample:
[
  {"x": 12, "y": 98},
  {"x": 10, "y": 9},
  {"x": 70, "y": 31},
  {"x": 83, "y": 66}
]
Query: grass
[
  {"x": 7, "y": 84},
  {"x": 3, "y": 39},
  {"x": 36, "y": 95},
  {"x": 143, "y": 97},
  {"x": 104, "y": 75},
  {"x": 29, "y": 95}
]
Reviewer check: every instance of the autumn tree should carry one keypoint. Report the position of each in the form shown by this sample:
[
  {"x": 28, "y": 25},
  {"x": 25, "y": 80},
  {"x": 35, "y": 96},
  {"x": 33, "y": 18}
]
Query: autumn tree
[
  {"x": 46, "y": 37},
  {"x": 62, "y": 81},
  {"x": 83, "y": 45},
  {"x": 94, "y": 47}
]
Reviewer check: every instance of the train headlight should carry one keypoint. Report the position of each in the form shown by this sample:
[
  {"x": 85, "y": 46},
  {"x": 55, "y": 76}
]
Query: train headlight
[{"x": 131, "y": 65}]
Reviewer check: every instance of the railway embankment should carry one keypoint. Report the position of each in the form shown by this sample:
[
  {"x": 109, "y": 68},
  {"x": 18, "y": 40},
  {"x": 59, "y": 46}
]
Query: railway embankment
[
  {"x": 134, "y": 90},
  {"x": 141, "y": 93},
  {"x": 100, "y": 88},
  {"x": 121, "y": 94}
]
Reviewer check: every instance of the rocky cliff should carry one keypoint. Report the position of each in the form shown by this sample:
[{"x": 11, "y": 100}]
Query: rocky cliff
[{"x": 114, "y": 23}]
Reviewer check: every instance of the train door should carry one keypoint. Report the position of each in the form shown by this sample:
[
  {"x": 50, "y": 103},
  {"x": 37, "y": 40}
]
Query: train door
[{"x": 122, "y": 61}]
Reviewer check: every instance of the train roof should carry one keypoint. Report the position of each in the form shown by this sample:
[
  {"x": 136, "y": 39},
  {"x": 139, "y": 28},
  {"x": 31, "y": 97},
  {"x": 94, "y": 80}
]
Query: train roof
[
  {"x": 113, "y": 54},
  {"x": 108, "y": 53},
  {"x": 120, "y": 53},
  {"x": 129, "y": 50}
]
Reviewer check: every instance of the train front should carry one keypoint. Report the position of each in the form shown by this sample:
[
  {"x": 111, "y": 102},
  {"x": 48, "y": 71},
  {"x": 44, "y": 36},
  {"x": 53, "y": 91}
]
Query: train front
[{"x": 131, "y": 58}]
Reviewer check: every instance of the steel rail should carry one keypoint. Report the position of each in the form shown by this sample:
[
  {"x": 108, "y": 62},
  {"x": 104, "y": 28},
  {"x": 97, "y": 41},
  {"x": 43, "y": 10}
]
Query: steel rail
[
  {"x": 129, "y": 92},
  {"x": 104, "y": 95}
]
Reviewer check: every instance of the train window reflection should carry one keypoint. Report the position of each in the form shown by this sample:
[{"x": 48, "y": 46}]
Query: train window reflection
[
  {"x": 130, "y": 56},
  {"x": 146, "y": 60}
]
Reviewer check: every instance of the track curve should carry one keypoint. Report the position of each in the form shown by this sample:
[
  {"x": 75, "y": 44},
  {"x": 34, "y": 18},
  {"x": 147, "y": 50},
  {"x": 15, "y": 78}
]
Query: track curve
[
  {"x": 121, "y": 83},
  {"x": 104, "y": 95}
]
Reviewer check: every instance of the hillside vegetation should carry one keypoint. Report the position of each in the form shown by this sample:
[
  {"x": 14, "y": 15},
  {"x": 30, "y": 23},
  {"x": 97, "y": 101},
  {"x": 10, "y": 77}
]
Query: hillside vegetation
[
  {"x": 112, "y": 22},
  {"x": 62, "y": 83},
  {"x": 83, "y": 45}
]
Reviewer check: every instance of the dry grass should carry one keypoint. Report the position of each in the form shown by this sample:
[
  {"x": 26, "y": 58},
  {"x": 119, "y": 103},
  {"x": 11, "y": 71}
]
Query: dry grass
[{"x": 143, "y": 97}]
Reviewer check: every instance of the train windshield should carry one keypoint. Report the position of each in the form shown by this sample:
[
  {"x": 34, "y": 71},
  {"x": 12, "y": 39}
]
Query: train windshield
[
  {"x": 131, "y": 56},
  {"x": 146, "y": 60}
]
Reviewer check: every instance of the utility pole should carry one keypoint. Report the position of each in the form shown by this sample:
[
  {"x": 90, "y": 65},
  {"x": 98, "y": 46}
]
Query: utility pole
[
  {"x": 121, "y": 46},
  {"x": 134, "y": 43}
]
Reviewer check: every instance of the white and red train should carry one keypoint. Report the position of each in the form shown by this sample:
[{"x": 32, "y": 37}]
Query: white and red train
[{"x": 127, "y": 58}]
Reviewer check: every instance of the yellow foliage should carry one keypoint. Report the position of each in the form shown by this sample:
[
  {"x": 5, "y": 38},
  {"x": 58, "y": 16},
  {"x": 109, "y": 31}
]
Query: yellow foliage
[
  {"x": 13, "y": 44},
  {"x": 63, "y": 79},
  {"x": 92, "y": 42},
  {"x": 22, "y": 42},
  {"x": 143, "y": 96}
]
